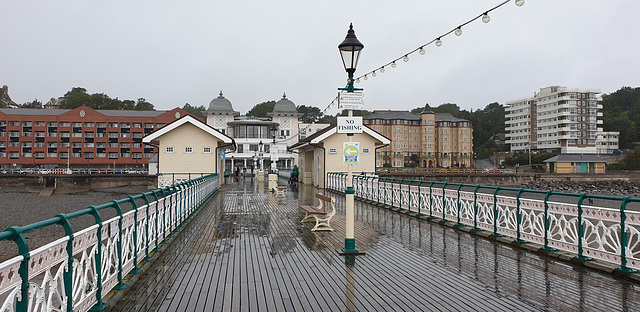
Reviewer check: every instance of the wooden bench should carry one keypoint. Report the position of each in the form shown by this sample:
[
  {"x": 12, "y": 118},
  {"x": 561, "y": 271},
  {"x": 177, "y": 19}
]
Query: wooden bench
[
  {"x": 321, "y": 213},
  {"x": 280, "y": 191}
]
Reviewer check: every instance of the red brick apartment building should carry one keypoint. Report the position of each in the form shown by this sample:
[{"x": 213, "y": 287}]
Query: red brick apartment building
[{"x": 80, "y": 136}]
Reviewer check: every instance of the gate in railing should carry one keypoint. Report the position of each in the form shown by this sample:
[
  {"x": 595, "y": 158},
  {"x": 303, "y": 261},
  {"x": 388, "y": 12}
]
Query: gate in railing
[
  {"x": 570, "y": 223},
  {"x": 74, "y": 273}
]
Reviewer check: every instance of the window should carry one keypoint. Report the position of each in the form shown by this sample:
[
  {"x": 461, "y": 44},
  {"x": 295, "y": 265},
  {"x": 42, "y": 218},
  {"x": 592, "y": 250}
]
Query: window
[
  {"x": 88, "y": 144},
  {"x": 65, "y": 124},
  {"x": 125, "y": 145},
  {"x": 113, "y": 155},
  {"x": 253, "y": 147},
  {"x": 365, "y": 151},
  {"x": 188, "y": 149},
  {"x": 53, "y": 124},
  {"x": 125, "y": 135},
  {"x": 148, "y": 126},
  {"x": 40, "y": 123},
  {"x": 102, "y": 125},
  {"x": 77, "y": 125},
  {"x": 124, "y": 125},
  {"x": 113, "y": 125},
  {"x": 137, "y": 125},
  {"x": 88, "y": 124},
  {"x": 169, "y": 149},
  {"x": 333, "y": 150},
  {"x": 113, "y": 144},
  {"x": 206, "y": 150},
  {"x": 113, "y": 135}
]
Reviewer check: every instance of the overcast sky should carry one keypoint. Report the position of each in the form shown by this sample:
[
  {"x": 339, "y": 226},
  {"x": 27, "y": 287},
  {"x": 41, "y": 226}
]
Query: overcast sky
[{"x": 177, "y": 52}]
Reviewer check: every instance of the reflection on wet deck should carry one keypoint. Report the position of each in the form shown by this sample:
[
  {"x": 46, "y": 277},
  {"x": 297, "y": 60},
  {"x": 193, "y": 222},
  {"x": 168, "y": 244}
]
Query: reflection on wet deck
[{"x": 248, "y": 251}]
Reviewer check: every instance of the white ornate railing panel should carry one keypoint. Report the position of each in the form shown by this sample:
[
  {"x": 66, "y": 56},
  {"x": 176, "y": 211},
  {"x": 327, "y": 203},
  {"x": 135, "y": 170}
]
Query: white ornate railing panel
[
  {"x": 404, "y": 196},
  {"x": 85, "y": 276},
  {"x": 414, "y": 193},
  {"x": 437, "y": 205},
  {"x": 507, "y": 215},
  {"x": 10, "y": 282},
  {"x": 532, "y": 224},
  {"x": 563, "y": 226},
  {"x": 451, "y": 204},
  {"x": 467, "y": 209}
]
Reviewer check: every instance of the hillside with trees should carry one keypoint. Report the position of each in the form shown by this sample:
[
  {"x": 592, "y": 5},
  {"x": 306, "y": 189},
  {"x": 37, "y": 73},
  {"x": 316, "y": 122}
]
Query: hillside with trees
[
  {"x": 621, "y": 112},
  {"x": 79, "y": 96}
]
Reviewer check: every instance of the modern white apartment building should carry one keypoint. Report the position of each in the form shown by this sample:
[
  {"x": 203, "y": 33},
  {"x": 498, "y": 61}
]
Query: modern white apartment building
[{"x": 558, "y": 119}]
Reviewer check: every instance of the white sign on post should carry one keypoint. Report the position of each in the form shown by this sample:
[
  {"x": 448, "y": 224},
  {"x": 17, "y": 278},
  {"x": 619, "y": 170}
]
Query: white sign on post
[
  {"x": 349, "y": 125},
  {"x": 350, "y": 100}
]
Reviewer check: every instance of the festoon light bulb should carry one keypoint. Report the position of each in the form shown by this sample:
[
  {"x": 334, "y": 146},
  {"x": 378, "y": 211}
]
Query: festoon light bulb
[
  {"x": 485, "y": 17},
  {"x": 421, "y": 51},
  {"x": 519, "y": 2},
  {"x": 405, "y": 58},
  {"x": 365, "y": 77},
  {"x": 458, "y": 31},
  {"x": 373, "y": 74},
  {"x": 438, "y": 42},
  {"x": 382, "y": 69},
  {"x": 393, "y": 64}
]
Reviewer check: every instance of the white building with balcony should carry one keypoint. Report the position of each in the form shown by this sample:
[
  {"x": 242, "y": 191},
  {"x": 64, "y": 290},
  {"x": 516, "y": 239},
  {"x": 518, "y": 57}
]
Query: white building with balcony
[
  {"x": 255, "y": 137},
  {"x": 558, "y": 119}
]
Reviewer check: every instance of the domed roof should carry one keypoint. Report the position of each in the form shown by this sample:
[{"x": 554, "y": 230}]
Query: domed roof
[
  {"x": 427, "y": 109},
  {"x": 284, "y": 106},
  {"x": 221, "y": 105}
]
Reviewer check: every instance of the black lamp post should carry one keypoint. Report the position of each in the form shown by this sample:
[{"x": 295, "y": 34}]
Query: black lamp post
[
  {"x": 350, "y": 49},
  {"x": 274, "y": 132}
]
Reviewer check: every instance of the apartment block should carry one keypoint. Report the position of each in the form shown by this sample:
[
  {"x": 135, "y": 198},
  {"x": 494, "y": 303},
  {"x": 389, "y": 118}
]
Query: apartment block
[
  {"x": 427, "y": 140},
  {"x": 558, "y": 119},
  {"x": 78, "y": 137}
]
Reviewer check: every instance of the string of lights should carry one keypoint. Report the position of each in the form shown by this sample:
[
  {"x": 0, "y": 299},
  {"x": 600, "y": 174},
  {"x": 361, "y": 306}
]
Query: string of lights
[{"x": 484, "y": 16}]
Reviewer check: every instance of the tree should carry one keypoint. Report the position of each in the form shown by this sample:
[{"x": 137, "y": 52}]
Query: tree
[
  {"x": 620, "y": 110},
  {"x": 309, "y": 113},
  {"x": 194, "y": 110},
  {"x": 72, "y": 100},
  {"x": 34, "y": 104},
  {"x": 261, "y": 110},
  {"x": 142, "y": 104}
]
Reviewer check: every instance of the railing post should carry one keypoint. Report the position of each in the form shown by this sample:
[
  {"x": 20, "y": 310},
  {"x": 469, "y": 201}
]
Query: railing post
[
  {"x": 431, "y": 201},
  {"x": 518, "y": 219},
  {"x": 475, "y": 209},
  {"x": 134, "y": 206},
  {"x": 581, "y": 256},
  {"x": 121, "y": 285},
  {"x": 420, "y": 198},
  {"x": 68, "y": 274},
  {"x": 495, "y": 213},
  {"x": 146, "y": 230},
  {"x": 547, "y": 223},
  {"x": 23, "y": 249},
  {"x": 444, "y": 201},
  {"x": 459, "y": 206},
  {"x": 624, "y": 240},
  {"x": 99, "y": 306}
]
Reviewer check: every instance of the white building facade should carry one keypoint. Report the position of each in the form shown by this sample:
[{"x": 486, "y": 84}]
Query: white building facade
[
  {"x": 255, "y": 137},
  {"x": 558, "y": 119}
]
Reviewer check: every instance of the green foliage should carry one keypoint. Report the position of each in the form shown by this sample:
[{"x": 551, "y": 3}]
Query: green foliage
[
  {"x": 621, "y": 112},
  {"x": 523, "y": 159},
  {"x": 78, "y": 96},
  {"x": 261, "y": 110},
  {"x": 327, "y": 119},
  {"x": 310, "y": 113},
  {"x": 194, "y": 110},
  {"x": 631, "y": 161},
  {"x": 34, "y": 104}
]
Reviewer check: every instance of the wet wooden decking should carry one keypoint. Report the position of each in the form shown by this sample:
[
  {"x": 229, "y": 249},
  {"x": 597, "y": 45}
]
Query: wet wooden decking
[{"x": 247, "y": 251}]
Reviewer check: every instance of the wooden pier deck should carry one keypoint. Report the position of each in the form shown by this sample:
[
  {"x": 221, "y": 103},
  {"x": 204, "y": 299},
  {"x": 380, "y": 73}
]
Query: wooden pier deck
[{"x": 247, "y": 251}]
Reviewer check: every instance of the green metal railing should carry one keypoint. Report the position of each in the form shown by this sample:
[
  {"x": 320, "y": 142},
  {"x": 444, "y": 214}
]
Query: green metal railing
[
  {"x": 607, "y": 231},
  {"x": 74, "y": 272}
]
